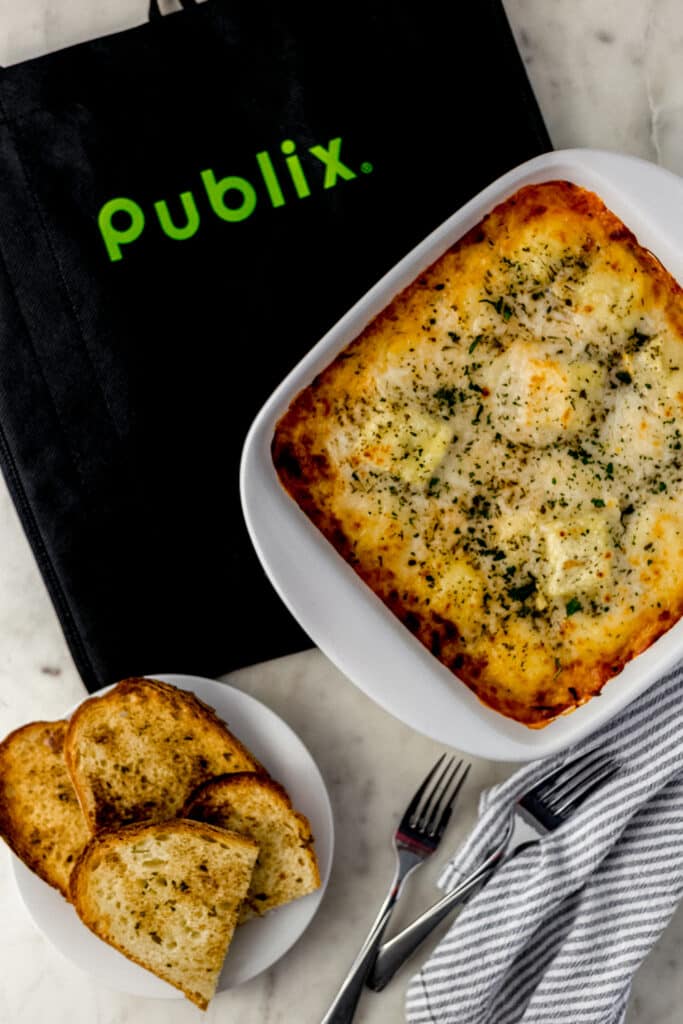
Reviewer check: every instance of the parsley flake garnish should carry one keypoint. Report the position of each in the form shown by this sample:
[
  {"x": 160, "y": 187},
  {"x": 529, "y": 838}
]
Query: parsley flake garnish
[{"x": 521, "y": 593}]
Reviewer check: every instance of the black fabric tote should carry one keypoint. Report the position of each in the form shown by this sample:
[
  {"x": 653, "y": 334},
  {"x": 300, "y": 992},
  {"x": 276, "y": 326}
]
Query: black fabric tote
[{"x": 185, "y": 208}]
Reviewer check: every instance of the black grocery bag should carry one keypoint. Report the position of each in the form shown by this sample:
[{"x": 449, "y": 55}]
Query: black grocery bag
[{"x": 185, "y": 208}]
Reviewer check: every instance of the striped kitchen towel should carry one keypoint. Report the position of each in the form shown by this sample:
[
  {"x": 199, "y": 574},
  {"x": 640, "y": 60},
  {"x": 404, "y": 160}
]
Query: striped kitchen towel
[{"x": 558, "y": 932}]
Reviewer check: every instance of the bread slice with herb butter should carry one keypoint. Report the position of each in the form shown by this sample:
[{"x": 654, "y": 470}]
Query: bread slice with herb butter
[
  {"x": 40, "y": 818},
  {"x": 137, "y": 752},
  {"x": 167, "y": 895},
  {"x": 258, "y": 807}
]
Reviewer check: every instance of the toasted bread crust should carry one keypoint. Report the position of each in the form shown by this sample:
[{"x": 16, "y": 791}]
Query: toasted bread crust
[
  {"x": 113, "y": 843},
  {"x": 122, "y": 776},
  {"x": 40, "y": 817},
  {"x": 259, "y": 807}
]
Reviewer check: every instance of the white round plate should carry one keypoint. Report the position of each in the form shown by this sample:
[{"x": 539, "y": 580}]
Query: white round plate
[{"x": 256, "y": 944}]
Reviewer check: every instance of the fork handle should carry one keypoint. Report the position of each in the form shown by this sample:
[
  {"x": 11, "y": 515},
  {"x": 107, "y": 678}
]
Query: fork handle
[
  {"x": 345, "y": 1002},
  {"x": 399, "y": 949}
]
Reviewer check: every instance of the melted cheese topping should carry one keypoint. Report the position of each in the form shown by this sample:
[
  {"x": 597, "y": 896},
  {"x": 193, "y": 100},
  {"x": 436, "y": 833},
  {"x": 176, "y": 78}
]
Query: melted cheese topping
[{"x": 499, "y": 453}]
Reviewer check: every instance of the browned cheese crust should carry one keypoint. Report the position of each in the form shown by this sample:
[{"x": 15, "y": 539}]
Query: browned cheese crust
[
  {"x": 498, "y": 454},
  {"x": 137, "y": 752},
  {"x": 40, "y": 818}
]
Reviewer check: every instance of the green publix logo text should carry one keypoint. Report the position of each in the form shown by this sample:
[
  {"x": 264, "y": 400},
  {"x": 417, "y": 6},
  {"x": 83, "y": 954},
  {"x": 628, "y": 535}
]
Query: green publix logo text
[{"x": 232, "y": 198}]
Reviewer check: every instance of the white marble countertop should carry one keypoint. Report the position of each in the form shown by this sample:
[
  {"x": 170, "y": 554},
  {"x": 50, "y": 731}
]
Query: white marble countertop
[{"x": 608, "y": 75}]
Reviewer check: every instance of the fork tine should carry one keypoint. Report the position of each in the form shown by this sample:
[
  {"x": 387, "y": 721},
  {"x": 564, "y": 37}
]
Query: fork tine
[
  {"x": 431, "y": 800},
  {"x": 445, "y": 815},
  {"x": 574, "y": 772},
  {"x": 552, "y": 784},
  {"x": 412, "y": 807},
  {"x": 557, "y": 793},
  {"x": 585, "y": 787}
]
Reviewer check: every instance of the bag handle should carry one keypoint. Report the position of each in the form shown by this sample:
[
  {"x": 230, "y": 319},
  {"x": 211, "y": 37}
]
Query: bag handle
[{"x": 155, "y": 10}]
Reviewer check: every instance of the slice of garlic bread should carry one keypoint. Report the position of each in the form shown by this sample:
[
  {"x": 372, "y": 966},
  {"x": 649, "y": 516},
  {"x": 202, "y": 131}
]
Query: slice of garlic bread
[
  {"x": 258, "y": 807},
  {"x": 167, "y": 895},
  {"x": 138, "y": 751},
  {"x": 40, "y": 818}
]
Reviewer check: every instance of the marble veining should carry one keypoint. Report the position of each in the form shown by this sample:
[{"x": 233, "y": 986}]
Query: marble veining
[{"x": 607, "y": 75}]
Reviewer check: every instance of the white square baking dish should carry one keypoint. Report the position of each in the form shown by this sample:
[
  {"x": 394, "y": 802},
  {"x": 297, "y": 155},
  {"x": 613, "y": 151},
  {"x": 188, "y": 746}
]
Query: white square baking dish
[{"x": 339, "y": 612}]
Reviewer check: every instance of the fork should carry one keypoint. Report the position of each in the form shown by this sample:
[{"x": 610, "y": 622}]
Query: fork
[
  {"x": 546, "y": 806},
  {"x": 418, "y": 834}
]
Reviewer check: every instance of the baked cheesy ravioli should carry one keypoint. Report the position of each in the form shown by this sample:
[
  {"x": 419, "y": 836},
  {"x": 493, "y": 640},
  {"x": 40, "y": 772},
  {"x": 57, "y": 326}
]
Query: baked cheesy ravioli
[{"x": 498, "y": 455}]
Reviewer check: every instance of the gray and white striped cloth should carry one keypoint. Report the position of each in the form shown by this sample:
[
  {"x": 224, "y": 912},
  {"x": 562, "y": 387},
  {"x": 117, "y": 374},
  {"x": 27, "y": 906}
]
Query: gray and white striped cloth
[{"x": 557, "y": 934}]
